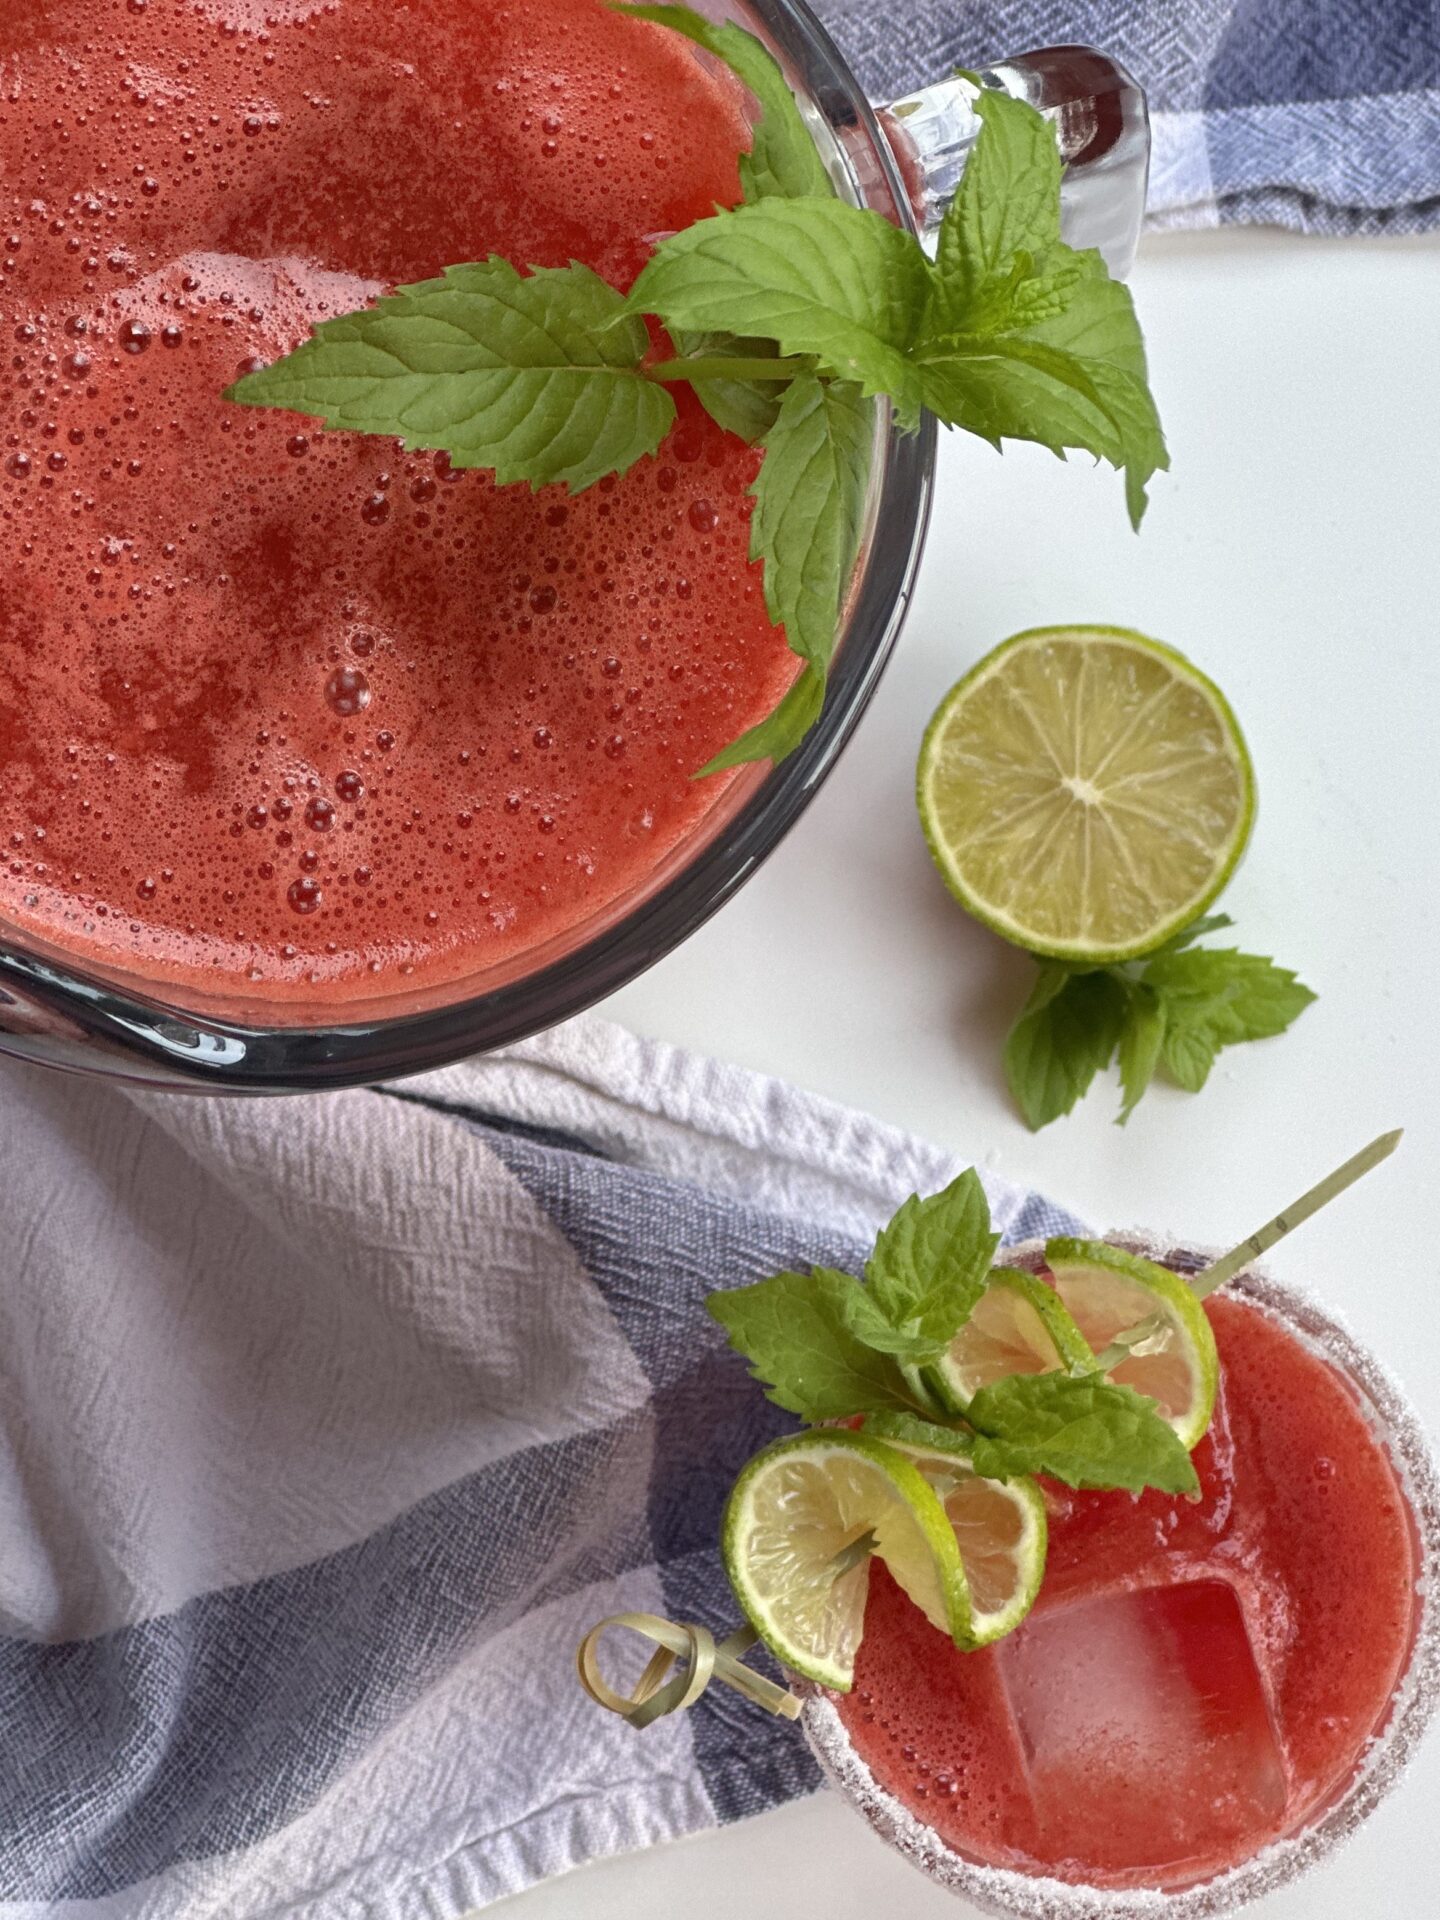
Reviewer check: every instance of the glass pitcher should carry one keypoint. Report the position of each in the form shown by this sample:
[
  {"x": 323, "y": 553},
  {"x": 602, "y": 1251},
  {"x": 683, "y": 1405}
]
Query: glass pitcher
[{"x": 904, "y": 160}]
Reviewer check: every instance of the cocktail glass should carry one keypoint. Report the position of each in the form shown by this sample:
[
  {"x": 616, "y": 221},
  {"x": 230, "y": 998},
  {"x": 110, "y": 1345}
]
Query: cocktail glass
[
  {"x": 1321, "y": 1827},
  {"x": 903, "y": 160}
]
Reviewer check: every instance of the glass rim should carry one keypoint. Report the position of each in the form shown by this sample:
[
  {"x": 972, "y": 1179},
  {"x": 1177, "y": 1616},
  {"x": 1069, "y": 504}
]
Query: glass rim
[
  {"x": 1009, "y": 1892},
  {"x": 118, "y": 1022}
]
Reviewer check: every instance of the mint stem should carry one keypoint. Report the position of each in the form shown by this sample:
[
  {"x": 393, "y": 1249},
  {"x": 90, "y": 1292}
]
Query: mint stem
[{"x": 719, "y": 367}]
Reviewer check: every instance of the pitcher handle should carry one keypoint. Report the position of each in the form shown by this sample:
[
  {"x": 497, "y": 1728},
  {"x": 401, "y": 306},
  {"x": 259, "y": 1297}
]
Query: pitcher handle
[{"x": 1103, "y": 124}]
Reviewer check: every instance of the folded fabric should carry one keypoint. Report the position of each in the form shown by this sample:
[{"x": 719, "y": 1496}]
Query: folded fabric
[
  {"x": 1322, "y": 115},
  {"x": 328, "y": 1426}
]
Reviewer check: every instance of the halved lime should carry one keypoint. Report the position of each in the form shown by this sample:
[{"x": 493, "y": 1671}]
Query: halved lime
[
  {"x": 1108, "y": 1292},
  {"x": 796, "y": 1508},
  {"x": 1019, "y": 1325},
  {"x": 1085, "y": 792},
  {"x": 999, "y": 1526}
]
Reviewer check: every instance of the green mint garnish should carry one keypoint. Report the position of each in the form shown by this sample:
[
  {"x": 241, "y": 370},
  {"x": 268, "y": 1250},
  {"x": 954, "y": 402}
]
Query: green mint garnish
[
  {"x": 788, "y": 315},
  {"x": 828, "y": 1347},
  {"x": 1080, "y": 1429},
  {"x": 536, "y": 376},
  {"x": 931, "y": 1263},
  {"x": 809, "y": 506},
  {"x": 1025, "y": 338},
  {"x": 810, "y": 1338},
  {"x": 1174, "y": 1010},
  {"x": 815, "y": 276}
]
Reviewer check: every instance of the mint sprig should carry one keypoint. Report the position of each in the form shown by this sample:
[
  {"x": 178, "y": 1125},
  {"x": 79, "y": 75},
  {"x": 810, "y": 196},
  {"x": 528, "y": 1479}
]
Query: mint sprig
[
  {"x": 789, "y": 316},
  {"x": 829, "y": 1347},
  {"x": 1174, "y": 1011},
  {"x": 1024, "y": 337}
]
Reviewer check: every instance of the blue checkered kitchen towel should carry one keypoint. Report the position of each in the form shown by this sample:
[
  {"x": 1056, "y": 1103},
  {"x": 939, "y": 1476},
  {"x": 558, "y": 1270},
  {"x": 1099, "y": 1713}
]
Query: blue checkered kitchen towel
[
  {"x": 1318, "y": 114},
  {"x": 327, "y": 1426}
]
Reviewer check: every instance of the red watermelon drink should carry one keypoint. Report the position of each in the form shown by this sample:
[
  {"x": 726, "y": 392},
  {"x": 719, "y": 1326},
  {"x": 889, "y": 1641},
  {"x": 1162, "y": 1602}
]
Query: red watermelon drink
[
  {"x": 301, "y": 714},
  {"x": 1207, "y": 1692}
]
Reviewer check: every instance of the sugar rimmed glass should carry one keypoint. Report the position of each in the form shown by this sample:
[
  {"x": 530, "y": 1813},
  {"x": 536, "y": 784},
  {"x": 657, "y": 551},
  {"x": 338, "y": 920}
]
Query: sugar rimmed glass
[
  {"x": 903, "y": 161},
  {"x": 1411, "y": 1707}
]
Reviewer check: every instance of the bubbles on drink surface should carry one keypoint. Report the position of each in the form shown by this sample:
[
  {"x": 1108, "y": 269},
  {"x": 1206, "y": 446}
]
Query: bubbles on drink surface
[{"x": 239, "y": 653}]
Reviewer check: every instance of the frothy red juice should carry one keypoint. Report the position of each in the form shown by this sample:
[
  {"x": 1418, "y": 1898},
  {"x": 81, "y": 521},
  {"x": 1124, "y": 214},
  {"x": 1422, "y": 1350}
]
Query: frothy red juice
[
  {"x": 290, "y": 710},
  {"x": 1197, "y": 1678}
]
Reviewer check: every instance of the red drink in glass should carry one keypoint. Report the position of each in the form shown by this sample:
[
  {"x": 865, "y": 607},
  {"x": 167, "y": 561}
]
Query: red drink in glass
[
  {"x": 1205, "y": 1692},
  {"x": 300, "y": 712}
]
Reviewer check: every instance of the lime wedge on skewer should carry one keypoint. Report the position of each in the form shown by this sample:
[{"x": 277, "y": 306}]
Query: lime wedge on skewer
[
  {"x": 1085, "y": 792},
  {"x": 1109, "y": 1292},
  {"x": 999, "y": 1526},
  {"x": 969, "y": 1552},
  {"x": 1018, "y": 1325},
  {"x": 799, "y": 1505}
]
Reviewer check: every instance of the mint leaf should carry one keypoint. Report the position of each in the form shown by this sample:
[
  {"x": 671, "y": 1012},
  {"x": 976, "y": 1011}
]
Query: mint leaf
[
  {"x": 809, "y": 505},
  {"x": 1141, "y": 1039},
  {"x": 1060, "y": 382},
  {"x": 1080, "y": 1429},
  {"x": 1023, "y": 337},
  {"x": 868, "y": 1321},
  {"x": 1213, "y": 998},
  {"x": 1189, "y": 1054},
  {"x": 536, "y": 377},
  {"x": 931, "y": 1263},
  {"x": 1007, "y": 203},
  {"x": 780, "y": 732},
  {"x": 1237, "y": 996},
  {"x": 1066, "y": 1033},
  {"x": 815, "y": 276},
  {"x": 796, "y": 1331},
  {"x": 783, "y": 159}
]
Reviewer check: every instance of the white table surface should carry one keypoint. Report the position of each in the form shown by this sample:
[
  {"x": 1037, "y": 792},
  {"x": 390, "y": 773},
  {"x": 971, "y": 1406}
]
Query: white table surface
[{"x": 1294, "y": 553}]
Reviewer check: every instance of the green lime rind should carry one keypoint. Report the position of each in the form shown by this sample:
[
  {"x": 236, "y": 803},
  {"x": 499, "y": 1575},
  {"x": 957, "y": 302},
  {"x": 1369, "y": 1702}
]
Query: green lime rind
[
  {"x": 912, "y": 1434},
  {"x": 955, "y": 1384},
  {"x": 1176, "y": 915},
  {"x": 1082, "y": 1266},
  {"x": 781, "y": 1572}
]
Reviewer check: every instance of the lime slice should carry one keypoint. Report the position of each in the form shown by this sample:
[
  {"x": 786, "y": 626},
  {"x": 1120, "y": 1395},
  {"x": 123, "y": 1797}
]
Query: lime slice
[
  {"x": 1019, "y": 1325},
  {"x": 796, "y": 1508},
  {"x": 1109, "y": 1291},
  {"x": 999, "y": 1525},
  {"x": 1085, "y": 792}
]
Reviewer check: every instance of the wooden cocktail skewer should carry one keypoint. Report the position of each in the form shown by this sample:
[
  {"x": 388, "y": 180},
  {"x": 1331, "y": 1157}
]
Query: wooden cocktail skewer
[
  {"x": 1211, "y": 1278},
  {"x": 1320, "y": 1195}
]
